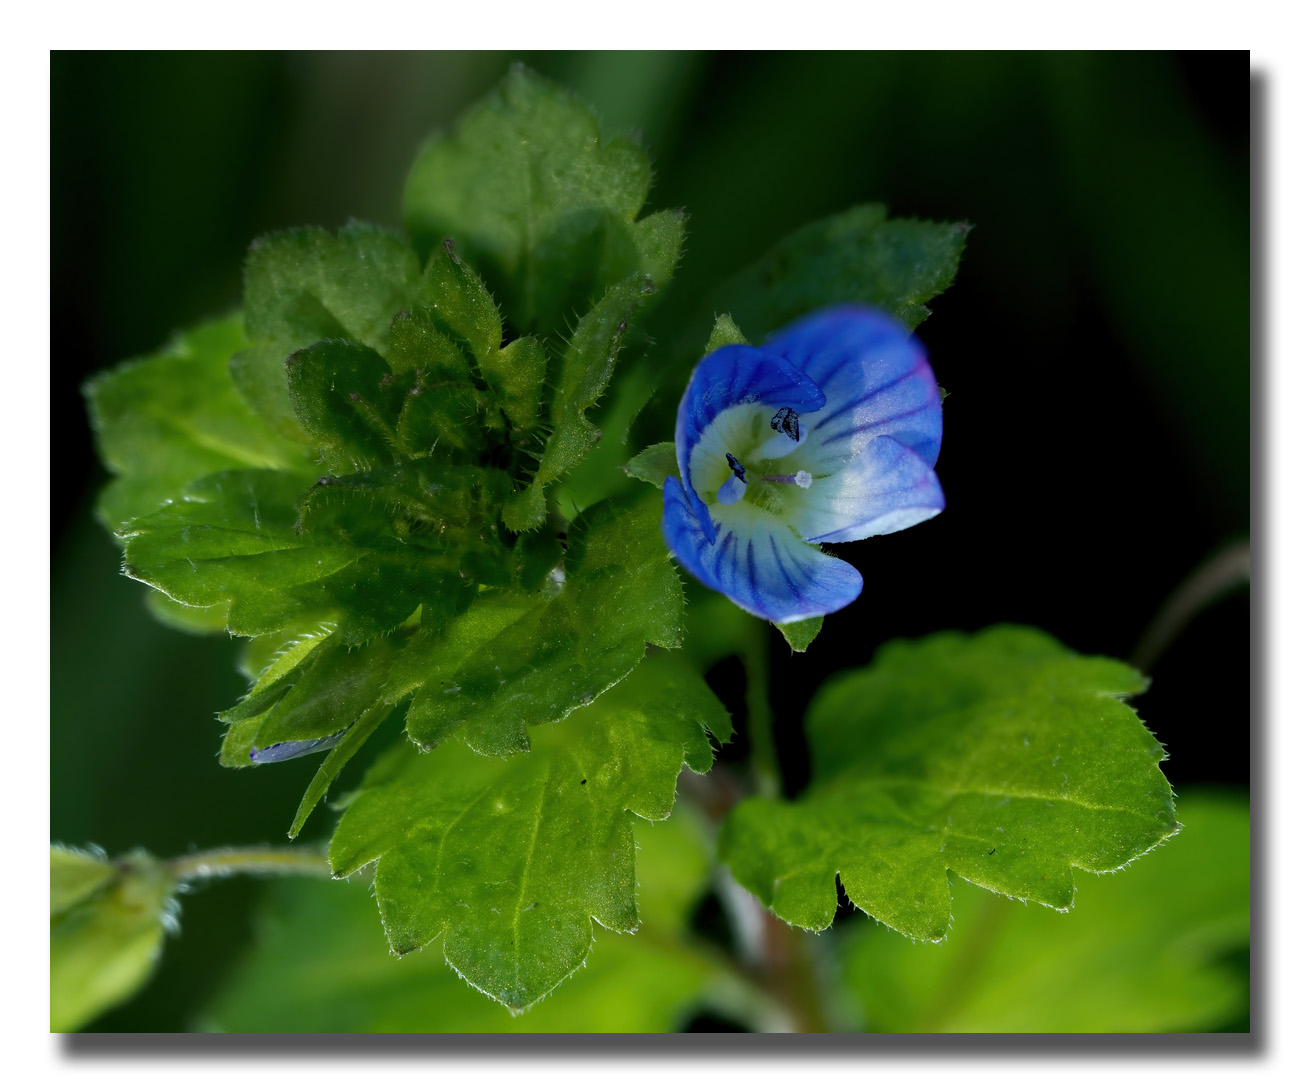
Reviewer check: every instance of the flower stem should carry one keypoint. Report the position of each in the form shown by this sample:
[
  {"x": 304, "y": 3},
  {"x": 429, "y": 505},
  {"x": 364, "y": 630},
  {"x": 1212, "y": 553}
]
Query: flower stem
[
  {"x": 249, "y": 861},
  {"x": 1205, "y": 586},
  {"x": 755, "y": 655}
]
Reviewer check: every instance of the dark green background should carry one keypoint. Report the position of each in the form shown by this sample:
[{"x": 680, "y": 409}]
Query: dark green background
[{"x": 1096, "y": 347}]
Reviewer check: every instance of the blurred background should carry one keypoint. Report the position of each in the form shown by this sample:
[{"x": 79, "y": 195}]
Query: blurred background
[{"x": 1096, "y": 348}]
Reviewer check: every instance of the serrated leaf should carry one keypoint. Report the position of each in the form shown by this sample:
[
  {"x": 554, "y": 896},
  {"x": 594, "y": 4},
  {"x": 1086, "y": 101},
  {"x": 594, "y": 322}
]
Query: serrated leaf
[
  {"x": 325, "y": 693},
  {"x": 459, "y": 302},
  {"x": 585, "y": 369},
  {"x": 305, "y": 285},
  {"x": 655, "y": 464},
  {"x": 861, "y": 255},
  {"x": 164, "y": 420},
  {"x": 541, "y": 204},
  {"x": 525, "y": 510},
  {"x": 646, "y": 983},
  {"x": 514, "y": 661},
  {"x": 510, "y": 861},
  {"x": 364, "y": 550},
  {"x": 516, "y": 375},
  {"x": 1150, "y": 951},
  {"x": 287, "y": 655},
  {"x": 338, "y": 391},
  {"x": 104, "y": 945},
  {"x": 800, "y": 634},
  {"x": 1002, "y": 757}
]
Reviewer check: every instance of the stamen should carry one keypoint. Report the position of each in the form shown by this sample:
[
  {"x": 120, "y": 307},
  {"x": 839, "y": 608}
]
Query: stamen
[
  {"x": 786, "y": 421},
  {"x": 803, "y": 479}
]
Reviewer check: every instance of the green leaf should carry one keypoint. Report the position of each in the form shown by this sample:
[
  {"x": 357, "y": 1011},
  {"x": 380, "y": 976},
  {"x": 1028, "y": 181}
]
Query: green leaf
[
  {"x": 325, "y": 692},
  {"x": 585, "y": 369},
  {"x": 861, "y": 255},
  {"x": 338, "y": 390},
  {"x": 105, "y": 938},
  {"x": 646, "y": 983},
  {"x": 725, "y": 333},
  {"x": 460, "y": 304},
  {"x": 1151, "y": 950},
  {"x": 801, "y": 633},
  {"x": 280, "y": 549},
  {"x": 510, "y": 861},
  {"x": 513, "y": 660},
  {"x": 525, "y": 510},
  {"x": 1002, "y": 757},
  {"x": 357, "y": 735},
  {"x": 516, "y": 376},
  {"x": 194, "y": 620},
  {"x": 542, "y": 205},
  {"x": 655, "y": 464},
  {"x": 305, "y": 285},
  {"x": 164, "y": 420},
  {"x": 74, "y": 876}
]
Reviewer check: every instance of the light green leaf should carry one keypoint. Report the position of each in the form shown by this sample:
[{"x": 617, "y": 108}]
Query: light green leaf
[
  {"x": 725, "y": 333},
  {"x": 304, "y": 285},
  {"x": 861, "y": 255},
  {"x": 165, "y": 420},
  {"x": 105, "y": 940},
  {"x": 510, "y": 861},
  {"x": 194, "y": 620},
  {"x": 646, "y": 983},
  {"x": 542, "y": 205},
  {"x": 1151, "y": 950},
  {"x": 328, "y": 690},
  {"x": 801, "y": 633},
  {"x": 1001, "y": 756},
  {"x": 512, "y": 661},
  {"x": 75, "y": 875},
  {"x": 655, "y": 464}
]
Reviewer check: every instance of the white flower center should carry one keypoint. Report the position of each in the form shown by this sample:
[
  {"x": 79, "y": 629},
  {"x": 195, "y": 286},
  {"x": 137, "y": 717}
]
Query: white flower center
[{"x": 739, "y": 459}]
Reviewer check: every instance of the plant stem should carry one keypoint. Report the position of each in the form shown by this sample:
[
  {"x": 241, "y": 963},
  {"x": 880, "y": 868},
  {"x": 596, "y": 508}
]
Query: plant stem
[
  {"x": 755, "y": 655},
  {"x": 249, "y": 861},
  {"x": 1206, "y": 585}
]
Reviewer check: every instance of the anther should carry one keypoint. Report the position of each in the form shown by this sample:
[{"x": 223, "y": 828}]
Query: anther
[{"x": 787, "y": 421}]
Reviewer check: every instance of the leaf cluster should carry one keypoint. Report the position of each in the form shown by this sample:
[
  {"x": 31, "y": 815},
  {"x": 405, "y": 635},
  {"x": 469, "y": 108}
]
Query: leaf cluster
[{"x": 406, "y": 497}]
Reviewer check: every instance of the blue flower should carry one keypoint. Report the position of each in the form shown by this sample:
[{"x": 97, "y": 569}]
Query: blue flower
[{"x": 829, "y": 432}]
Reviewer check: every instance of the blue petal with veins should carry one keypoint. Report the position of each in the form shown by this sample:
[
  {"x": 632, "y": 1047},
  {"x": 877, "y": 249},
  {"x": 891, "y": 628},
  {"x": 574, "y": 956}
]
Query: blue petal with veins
[{"x": 753, "y": 504}]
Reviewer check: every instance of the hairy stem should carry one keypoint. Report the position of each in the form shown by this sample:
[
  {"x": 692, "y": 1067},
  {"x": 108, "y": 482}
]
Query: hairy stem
[{"x": 249, "y": 861}]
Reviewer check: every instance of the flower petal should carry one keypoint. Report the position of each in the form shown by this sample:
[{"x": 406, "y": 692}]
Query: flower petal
[
  {"x": 887, "y": 487},
  {"x": 758, "y": 563},
  {"x": 876, "y": 379},
  {"x": 291, "y": 750},
  {"x": 731, "y": 376}
]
